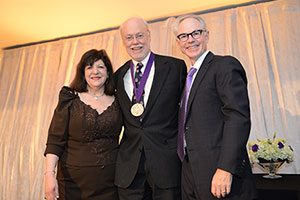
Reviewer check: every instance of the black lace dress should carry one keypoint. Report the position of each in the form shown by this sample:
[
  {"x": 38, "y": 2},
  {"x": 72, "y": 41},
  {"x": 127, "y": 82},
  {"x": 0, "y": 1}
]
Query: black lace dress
[{"x": 87, "y": 146}]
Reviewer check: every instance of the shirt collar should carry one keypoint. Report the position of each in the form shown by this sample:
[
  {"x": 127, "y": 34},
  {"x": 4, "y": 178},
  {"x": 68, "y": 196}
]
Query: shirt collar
[
  {"x": 200, "y": 60},
  {"x": 144, "y": 62}
]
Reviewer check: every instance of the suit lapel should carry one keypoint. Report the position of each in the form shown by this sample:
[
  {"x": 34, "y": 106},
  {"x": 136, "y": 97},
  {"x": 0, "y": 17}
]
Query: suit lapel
[
  {"x": 122, "y": 92},
  {"x": 160, "y": 75},
  {"x": 199, "y": 77}
]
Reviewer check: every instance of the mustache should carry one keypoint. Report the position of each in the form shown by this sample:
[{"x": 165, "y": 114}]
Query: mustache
[{"x": 136, "y": 46}]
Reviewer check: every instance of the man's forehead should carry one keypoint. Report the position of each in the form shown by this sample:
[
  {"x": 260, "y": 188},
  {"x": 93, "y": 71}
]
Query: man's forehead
[
  {"x": 134, "y": 30},
  {"x": 189, "y": 25}
]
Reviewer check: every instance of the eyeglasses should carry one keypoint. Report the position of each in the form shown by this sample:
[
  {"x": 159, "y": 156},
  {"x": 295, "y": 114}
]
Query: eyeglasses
[
  {"x": 195, "y": 34},
  {"x": 138, "y": 36}
]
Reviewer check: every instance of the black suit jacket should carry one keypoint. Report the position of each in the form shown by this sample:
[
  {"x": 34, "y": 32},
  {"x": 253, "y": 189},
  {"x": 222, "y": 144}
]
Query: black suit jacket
[
  {"x": 218, "y": 126},
  {"x": 156, "y": 130}
]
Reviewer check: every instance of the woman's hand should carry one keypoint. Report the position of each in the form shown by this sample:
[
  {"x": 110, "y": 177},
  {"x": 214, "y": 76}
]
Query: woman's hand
[{"x": 51, "y": 186}]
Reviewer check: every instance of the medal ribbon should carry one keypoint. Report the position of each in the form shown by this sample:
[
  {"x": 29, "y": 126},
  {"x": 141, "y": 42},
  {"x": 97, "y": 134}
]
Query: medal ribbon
[{"x": 138, "y": 92}]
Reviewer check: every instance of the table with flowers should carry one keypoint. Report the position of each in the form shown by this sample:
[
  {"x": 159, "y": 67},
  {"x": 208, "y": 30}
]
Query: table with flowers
[{"x": 270, "y": 155}]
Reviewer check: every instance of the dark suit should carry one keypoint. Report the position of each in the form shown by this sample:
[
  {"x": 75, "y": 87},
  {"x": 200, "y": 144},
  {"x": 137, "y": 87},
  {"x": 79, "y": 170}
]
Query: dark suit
[
  {"x": 218, "y": 126},
  {"x": 155, "y": 132}
]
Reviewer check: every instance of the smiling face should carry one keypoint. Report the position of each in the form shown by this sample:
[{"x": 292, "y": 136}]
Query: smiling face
[
  {"x": 193, "y": 48},
  {"x": 95, "y": 75},
  {"x": 136, "y": 38}
]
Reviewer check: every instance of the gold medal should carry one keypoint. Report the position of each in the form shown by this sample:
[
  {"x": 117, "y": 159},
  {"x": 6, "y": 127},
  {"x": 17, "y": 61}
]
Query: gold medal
[{"x": 137, "y": 109}]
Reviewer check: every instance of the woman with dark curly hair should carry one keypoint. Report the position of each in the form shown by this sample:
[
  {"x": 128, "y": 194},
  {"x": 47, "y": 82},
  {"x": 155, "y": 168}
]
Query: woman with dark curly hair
[{"x": 83, "y": 135}]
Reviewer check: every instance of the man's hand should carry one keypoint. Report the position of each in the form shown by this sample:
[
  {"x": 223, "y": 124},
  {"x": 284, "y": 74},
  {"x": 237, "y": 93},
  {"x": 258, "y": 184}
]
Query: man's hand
[{"x": 221, "y": 183}]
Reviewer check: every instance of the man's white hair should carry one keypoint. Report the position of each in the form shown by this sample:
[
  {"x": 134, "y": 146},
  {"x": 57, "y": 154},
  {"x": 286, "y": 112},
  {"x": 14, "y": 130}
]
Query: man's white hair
[
  {"x": 136, "y": 17},
  {"x": 183, "y": 17}
]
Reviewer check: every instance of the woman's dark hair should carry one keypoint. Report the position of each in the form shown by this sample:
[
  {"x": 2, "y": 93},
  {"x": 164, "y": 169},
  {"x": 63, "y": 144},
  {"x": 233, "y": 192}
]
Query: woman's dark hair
[{"x": 79, "y": 83}]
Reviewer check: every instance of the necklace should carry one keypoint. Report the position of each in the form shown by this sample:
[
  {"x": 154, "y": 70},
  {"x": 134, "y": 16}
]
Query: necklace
[{"x": 96, "y": 97}]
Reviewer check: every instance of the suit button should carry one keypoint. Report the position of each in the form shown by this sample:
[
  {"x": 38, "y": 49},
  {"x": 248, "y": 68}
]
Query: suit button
[
  {"x": 187, "y": 128},
  {"x": 141, "y": 119},
  {"x": 243, "y": 163}
]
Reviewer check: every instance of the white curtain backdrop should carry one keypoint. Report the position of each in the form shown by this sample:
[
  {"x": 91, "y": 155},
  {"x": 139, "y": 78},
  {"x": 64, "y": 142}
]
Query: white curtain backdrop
[{"x": 265, "y": 37}]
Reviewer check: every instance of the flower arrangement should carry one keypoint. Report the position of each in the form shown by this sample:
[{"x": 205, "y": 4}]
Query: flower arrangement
[{"x": 270, "y": 150}]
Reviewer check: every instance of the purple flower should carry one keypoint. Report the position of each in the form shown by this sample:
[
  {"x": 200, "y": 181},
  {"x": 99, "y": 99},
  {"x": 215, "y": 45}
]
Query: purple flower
[
  {"x": 280, "y": 145},
  {"x": 255, "y": 148}
]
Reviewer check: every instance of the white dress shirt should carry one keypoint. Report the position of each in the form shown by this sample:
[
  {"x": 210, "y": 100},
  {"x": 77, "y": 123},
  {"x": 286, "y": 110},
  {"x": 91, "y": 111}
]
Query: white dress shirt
[
  {"x": 128, "y": 84},
  {"x": 198, "y": 64}
]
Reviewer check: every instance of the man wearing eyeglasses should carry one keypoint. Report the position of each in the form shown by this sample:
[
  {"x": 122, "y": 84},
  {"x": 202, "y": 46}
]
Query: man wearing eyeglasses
[
  {"x": 214, "y": 120},
  {"x": 149, "y": 87}
]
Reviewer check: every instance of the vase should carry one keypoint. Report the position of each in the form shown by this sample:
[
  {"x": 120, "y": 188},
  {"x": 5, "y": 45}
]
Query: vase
[{"x": 271, "y": 168}]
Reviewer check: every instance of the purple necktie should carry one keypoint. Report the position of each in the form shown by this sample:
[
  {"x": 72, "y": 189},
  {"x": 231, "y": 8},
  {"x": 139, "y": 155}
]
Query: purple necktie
[
  {"x": 182, "y": 114},
  {"x": 137, "y": 79}
]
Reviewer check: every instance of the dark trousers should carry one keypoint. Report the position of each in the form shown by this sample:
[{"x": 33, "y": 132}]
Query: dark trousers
[
  {"x": 187, "y": 181},
  {"x": 188, "y": 187},
  {"x": 143, "y": 187}
]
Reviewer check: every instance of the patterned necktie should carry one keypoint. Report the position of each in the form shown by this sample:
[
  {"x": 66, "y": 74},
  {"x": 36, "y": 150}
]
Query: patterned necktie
[
  {"x": 137, "y": 79},
  {"x": 182, "y": 114}
]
